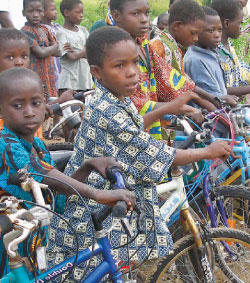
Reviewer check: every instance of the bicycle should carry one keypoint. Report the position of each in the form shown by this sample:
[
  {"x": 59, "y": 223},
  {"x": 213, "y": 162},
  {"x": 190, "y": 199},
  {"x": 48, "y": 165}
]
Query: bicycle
[
  {"x": 218, "y": 194},
  {"x": 16, "y": 225}
]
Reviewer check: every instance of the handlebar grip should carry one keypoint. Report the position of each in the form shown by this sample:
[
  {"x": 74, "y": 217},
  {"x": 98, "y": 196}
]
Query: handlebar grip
[
  {"x": 5, "y": 224},
  {"x": 14, "y": 179},
  {"x": 79, "y": 95},
  {"x": 56, "y": 108},
  {"x": 189, "y": 141},
  {"x": 120, "y": 209}
]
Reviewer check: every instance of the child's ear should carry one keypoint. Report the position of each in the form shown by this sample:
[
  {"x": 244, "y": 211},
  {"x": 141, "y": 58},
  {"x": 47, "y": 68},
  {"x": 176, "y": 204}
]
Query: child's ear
[
  {"x": 176, "y": 26},
  {"x": 96, "y": 72},
  {"x": 225, "y": 23},
  {"x": 116, "y": 16},
  {"x": 66, "y": 12}
]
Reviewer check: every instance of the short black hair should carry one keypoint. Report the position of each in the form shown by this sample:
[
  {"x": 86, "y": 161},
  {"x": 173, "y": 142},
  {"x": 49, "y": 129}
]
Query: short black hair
[
  {"x": 15, "y": 74},
  {"x": 25, "y": 2},
  {"x": 161, "y": 17},
  {"x": 68, "y": 5},
  {"x": 100, "y": 40},
  {"x": 7, "y": 34},
  {"x": 185, "y": 11},
  {"x": 118, "y": 4},
  {"x": 46, "y": 3},
  {"x": 227, "y": 9},
  {"x": 209, "y": 11}
]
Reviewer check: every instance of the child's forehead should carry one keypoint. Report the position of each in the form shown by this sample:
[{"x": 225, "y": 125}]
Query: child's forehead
[
  {"x": 13, "y": 44},
  {"x": 135, "y": 4}
]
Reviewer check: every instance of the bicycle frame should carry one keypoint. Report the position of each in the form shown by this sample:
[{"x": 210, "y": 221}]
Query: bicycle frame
[
  {"x": 178, "y": 199},
  {"x": 19, "y": 274}
]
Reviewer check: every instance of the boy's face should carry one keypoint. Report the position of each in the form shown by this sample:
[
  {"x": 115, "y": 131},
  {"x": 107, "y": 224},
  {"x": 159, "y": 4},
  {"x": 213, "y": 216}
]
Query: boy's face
[
  {"x": 234, "y": 27},
  {"x": 134, "y": 17},
  {"x": 23, "y": 108},
  {"x": 34, "y": 12},
  {"x": 50, "y": 12},
  {"x": 210, "y": 37},
  {"x": 14, "y": 53},
  {"x": 75, "y": 15},
  {"x": 120, "y": 70},
  {"x": 187, "y": 35},
  {"x": 163, "y": 24}
]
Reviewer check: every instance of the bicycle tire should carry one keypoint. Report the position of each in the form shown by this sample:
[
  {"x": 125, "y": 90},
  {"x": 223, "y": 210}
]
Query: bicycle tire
[
  {"x": 236, "y": 204},
  {"x": 166, "y": 267},
  {"x": 60, "y": 146}
]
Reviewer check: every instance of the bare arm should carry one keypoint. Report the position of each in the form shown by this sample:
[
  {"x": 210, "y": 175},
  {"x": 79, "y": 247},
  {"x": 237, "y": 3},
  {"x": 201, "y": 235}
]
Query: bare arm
[
  {"x": 44, "y": 52},
  {"x": 101, "y": 196},
  {"x": 239, "y": 91},
  {"x": 5, "y": 20},
  {"x": 218, "y": 149}
]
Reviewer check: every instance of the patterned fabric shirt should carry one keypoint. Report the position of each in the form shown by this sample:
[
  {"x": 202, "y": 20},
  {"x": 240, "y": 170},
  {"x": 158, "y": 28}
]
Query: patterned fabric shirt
[
  {"x": 113, "y": 128},
  {"x": 16, "y": 154},
  {"x": 158, "y": 82},
  {"x": 43, "y": 67},
  {"x": 237, "y": 72}
]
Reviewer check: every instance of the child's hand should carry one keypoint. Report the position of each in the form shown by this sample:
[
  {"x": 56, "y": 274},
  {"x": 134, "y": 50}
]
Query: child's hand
[
  {"x": 100, "y": 164},
  {"x": 68, "y": 48},
  {"x": 232, "y": 100},
  {"x": 219, "y": 149},
  {"x": 67, "y": 96},
  {"x": 111, "y": 197},
  {"x": 178, "y": 103},
  {"x": 196, "y": 116}
]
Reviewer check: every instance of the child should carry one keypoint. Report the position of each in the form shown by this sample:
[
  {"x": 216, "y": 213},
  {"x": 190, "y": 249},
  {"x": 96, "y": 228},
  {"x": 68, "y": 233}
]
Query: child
[
  {"x": 186, "y": 21},
  {"x": 43, "y": 45},
  {"x": 111, "y": 126},
  {"x": 201, "y": 61},
  {"x": 72, "y": 37},
  {"x": 22, "y": 108},
  {"x": 50, "y": 14},
  {"x": 237, "y": 72},
  {"x": 162, "y": 23},
  {"x": 14, "y": 52},
  {"x": 159, "y": 82}
]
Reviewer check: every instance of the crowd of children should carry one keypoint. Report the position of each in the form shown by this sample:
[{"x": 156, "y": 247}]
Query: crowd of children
[{"x": 137, "y": 82}]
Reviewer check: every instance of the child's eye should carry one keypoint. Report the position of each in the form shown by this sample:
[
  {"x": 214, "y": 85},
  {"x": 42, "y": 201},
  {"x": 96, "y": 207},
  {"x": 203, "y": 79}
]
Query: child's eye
[
  {"x": 17, "y": 106},
  {"x": 118, "y": 66},
  {"x": 37, "y": 103},
  {"x": 11, "y": 57},
  {"x": 25, "y": 56},
  {"x": 135, "y": 14}
]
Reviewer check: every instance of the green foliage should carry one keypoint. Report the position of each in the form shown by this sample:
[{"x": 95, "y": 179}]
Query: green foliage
[{"x": 95, "y": 10}]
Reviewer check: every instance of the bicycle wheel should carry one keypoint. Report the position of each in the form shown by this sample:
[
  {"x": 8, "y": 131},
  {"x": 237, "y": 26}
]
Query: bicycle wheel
[
  {"x": 168, "y": 271},
  {"x": 236, "y": 205}
]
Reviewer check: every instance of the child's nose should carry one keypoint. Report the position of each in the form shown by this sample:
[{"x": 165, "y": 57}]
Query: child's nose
[
  {"x": 18, "y": 62},
  {"x": 131, "y": 71},
  {"x": 29, "y": 111},
  {"x": 144, "y": 18}
]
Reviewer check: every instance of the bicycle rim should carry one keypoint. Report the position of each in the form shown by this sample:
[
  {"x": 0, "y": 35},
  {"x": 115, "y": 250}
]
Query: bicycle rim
[{"x": 169, "y": 268}]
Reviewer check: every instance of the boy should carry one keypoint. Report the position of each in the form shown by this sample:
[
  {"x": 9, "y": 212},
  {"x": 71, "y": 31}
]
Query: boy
[
  {"x": 162, "y": 23},
  {"x": 72, "y": 38},
  {"x": 237, "y": 73},
  {"x": 112, "y": 127},
  {"x": 158, "y": 81},
  {"x": 22, "y": 108},
  {"x": 50, "y": 14},
  {"x": 201, "y": 61},
  {"x": 186, "y": 21},
  {"x": 43, "y": 45}
]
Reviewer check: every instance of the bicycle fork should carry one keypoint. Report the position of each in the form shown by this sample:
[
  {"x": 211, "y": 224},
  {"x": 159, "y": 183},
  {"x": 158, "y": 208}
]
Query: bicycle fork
[{"x": 198, "y": 256}]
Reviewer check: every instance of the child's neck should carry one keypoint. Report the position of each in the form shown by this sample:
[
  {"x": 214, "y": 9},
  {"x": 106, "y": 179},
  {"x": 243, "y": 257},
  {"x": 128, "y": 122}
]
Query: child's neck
[
  {"x": 47, "y": 21},
  {"x": 69, "y": 25},
  {"x": 224, "y": 40},
  {"x": 201, "y": 46},
  {"x": 36, "y": 26}
]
